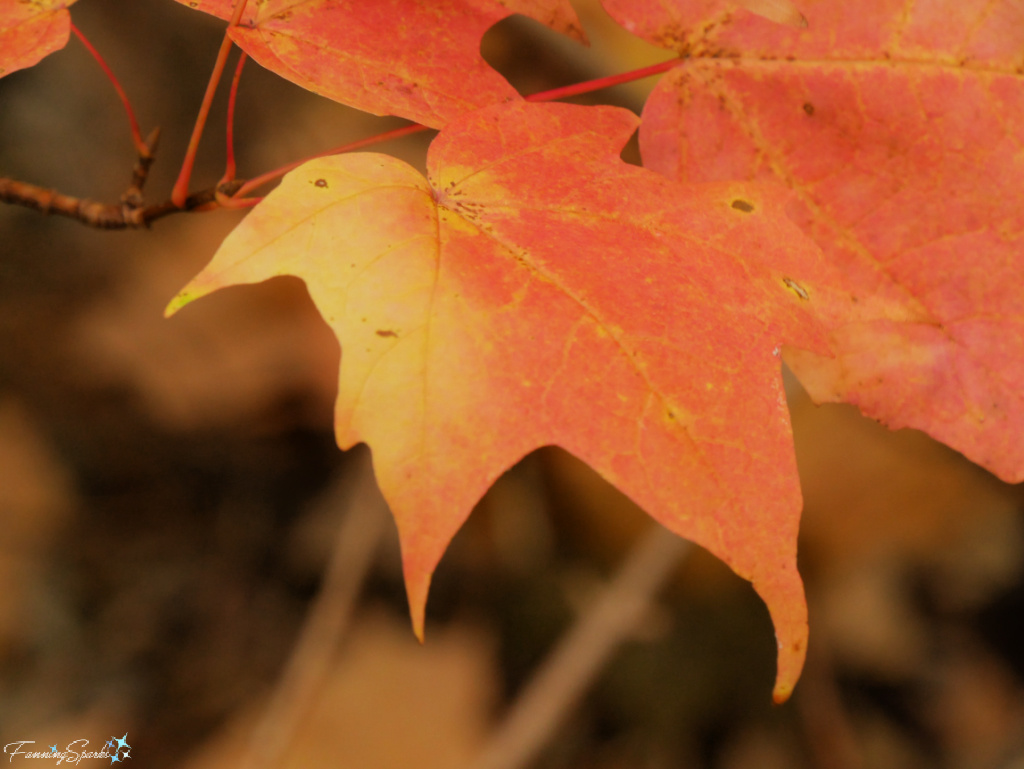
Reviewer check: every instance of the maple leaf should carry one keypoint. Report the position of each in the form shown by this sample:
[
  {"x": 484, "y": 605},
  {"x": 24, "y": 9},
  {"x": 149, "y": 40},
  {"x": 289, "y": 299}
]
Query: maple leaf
[
  {"x": 408, "y": 58},
  {"x": 899, "y": 127},
  {"x": 31, "y": 30},
  {"x": 537, "y": 290}
]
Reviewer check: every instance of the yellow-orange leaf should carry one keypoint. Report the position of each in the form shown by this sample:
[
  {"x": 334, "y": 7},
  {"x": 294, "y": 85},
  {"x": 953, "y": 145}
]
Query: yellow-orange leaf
[
  {"x": 900, "y": 128},
  {"x": 31, "y": 30},
  {"x": 536, "y": 290},
  {"x": 418, "y": 60}
]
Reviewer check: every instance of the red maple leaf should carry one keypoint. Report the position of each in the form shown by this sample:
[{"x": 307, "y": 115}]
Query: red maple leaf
[
  {"x": 30, "y": 31},
  {"x": 537, "y": 290},
  {"x": 900, "y": 129},
  {"x": 390, "y": 57}
]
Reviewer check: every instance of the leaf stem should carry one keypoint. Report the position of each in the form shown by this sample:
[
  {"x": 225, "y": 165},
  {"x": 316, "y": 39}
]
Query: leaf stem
[
  {"x": 555, "y": 93},
  {"x": 230, "y": 167},
  {"x": 603, "y": 82},
  {"x": 140, "y": 145},
  {"x": 180, "y": 191},
  {"x": 270, "y": 176}
]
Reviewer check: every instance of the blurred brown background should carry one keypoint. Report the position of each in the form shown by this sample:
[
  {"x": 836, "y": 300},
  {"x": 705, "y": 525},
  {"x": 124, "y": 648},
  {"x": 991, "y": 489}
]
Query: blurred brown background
[{"x": 170, "y": 494}]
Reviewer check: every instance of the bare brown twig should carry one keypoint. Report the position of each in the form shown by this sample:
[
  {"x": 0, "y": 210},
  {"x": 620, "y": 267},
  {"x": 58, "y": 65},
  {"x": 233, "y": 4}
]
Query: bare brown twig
[
  {"x": 140, "y": 172},
  {"x": 105, "y": 216},
  {"x": 130, "y": 213}
]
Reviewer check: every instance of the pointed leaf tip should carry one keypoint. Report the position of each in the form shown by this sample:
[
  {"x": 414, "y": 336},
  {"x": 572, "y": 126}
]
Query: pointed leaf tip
[
  {"x": 183, "y": 298},
  {"x": 781, "y": 694},
  {"x": 417, "y": 587},
  {"x": 783, "y": 594}
]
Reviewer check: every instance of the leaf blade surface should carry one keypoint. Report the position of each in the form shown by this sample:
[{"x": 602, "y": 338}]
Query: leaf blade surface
[
  {"x": 31, "y": 31},
  {"x": 536, "y": 290},
  {"x": 899, "y": 128},
  {"x": 416, "y": 60}
]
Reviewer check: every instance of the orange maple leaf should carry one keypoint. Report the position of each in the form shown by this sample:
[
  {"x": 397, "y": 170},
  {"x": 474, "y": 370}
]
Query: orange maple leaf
[
  {"x": 30, "y": 31},
  {"x": 390, "y": 57},
  {"x": 899, "y": 128},
  {"x": 537, "y": 290}
]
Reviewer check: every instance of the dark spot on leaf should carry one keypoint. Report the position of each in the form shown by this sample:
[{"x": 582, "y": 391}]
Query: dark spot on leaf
[
  {"x": 320, "y": 182},
  {"x": 808, "y": 108},
  {"x": 193, "y": 5},
  {"x": 742, "y": 205},
  {"x": 386, "y": 332},
  {"x": 796, "y": 288}
]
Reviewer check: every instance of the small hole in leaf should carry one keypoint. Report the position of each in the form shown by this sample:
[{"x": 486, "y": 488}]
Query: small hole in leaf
[
  {"x": 808, "y": 108},
  {"x": 743, "y": 205},
  {"x": 796, "y": 288},
  {"x": 320, "y": 182}
]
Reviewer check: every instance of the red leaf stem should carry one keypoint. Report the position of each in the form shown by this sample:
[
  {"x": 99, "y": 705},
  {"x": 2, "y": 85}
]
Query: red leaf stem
[
  {"x": 137, "y": 140},
  {"x": 180, "y": 191},
  {"x": 270, "y": 176},
  {"x": 604, "y": 82},
  {"x": 230, "y": 167}
]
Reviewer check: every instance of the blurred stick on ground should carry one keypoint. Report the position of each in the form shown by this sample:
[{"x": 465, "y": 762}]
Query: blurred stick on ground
[
  {"x": 583, "y": 652},
  {"x": 362, "y": 527}
]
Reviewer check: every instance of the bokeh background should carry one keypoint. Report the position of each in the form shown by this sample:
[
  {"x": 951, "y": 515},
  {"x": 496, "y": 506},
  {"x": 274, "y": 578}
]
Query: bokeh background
[{"x": 171, "y": 496}]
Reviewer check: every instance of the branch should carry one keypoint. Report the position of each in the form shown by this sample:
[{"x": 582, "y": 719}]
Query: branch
[
  {"x": 104, "y": 216},
  {"x": 140, "y": 172},
  {"x": 128, "y": 214}
]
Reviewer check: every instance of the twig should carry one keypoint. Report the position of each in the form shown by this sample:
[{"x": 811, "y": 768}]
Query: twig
[
  {"x": 106, "y": 216},
  {"x": 140, "y": 171},
  {"x": 128, "y": 214},
  {"x": 310, "y": 662},
  {"x": 580, "y": 656}
]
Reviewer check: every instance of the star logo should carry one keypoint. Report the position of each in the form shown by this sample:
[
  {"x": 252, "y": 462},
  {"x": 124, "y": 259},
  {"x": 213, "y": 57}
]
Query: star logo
[{"x": 121, "y": 748}]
